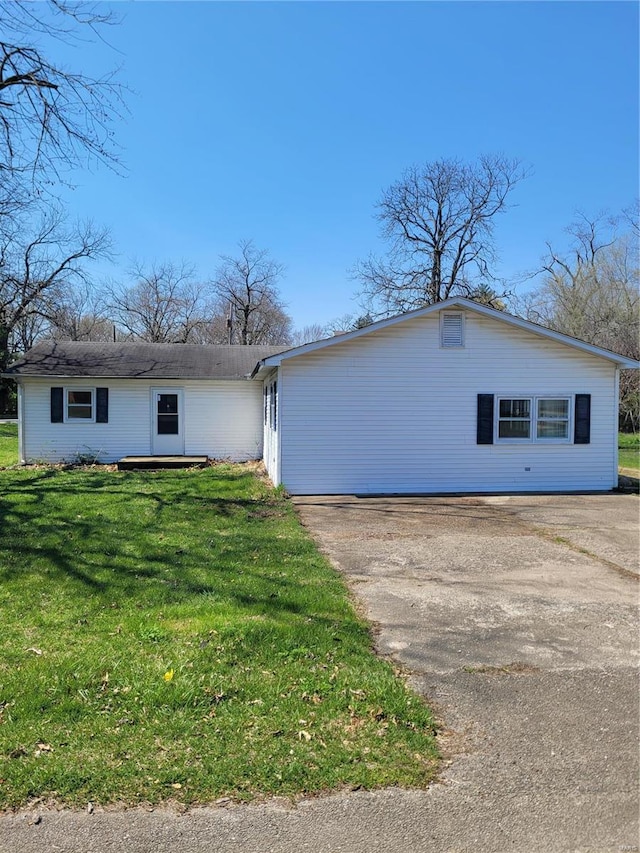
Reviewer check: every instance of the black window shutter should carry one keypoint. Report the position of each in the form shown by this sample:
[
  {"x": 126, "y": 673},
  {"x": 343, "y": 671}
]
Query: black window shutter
[
  {"x": 582, "y": 419},
  {"x": 485, "y": 419},
  {"x": 102, "y": 405},
  {"x": 57, "y": 405}
]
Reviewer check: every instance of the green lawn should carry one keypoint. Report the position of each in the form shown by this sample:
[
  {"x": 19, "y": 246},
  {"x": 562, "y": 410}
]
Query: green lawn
[
  {"x": 629, "y": 450},
  {"x": 177, "y": 635},
  {"x": 8, "y": 445}
]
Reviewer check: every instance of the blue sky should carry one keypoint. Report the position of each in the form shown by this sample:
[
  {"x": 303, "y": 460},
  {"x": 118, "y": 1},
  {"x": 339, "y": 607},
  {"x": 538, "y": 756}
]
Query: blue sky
[{"x": 283, "y": 122}]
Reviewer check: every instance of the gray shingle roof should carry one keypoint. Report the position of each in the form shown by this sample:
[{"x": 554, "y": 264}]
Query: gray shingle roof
[{"x": 140, "y": 360}]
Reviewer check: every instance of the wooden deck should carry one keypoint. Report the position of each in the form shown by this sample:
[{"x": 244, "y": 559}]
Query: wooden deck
[{"x": 152, "y": 463}]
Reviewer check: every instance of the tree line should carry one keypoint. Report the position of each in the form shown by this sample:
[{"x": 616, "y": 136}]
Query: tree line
[
  {"x": 437, "y": 225},
  {"x": 51, "y": 295}
]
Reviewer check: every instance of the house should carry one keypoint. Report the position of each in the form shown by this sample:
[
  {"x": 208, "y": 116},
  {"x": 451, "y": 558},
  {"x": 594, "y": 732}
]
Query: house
[
  {"x": 454, "y": 397},
  {"x": 108, "y": 400}
]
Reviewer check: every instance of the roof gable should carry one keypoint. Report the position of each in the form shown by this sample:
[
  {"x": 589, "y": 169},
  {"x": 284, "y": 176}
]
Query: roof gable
[{"x": 456, "y": 302}]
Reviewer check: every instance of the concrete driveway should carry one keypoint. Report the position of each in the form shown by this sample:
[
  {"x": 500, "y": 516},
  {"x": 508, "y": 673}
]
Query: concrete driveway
[{"x": 517, "y": 618}]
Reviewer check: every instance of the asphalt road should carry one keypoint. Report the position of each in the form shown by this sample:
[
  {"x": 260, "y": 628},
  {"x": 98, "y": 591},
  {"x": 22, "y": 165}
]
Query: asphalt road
[{"x": 518, "y": 618}]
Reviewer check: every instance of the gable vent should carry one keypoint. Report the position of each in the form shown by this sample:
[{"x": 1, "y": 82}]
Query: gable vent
[{"x": 451, "y": 329}]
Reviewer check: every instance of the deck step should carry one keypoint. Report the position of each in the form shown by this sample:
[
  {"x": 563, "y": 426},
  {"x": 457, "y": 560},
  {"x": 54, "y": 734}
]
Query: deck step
[{"x": 153, "y": 463}]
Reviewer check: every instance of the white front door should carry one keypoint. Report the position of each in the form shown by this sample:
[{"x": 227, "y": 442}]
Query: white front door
[{"x": 167, "y": 427}]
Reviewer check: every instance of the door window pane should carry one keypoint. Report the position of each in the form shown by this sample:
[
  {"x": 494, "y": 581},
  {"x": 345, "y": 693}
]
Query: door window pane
[
  {"x": 168, "y": 414},
  {"x": 168, "y": 425},
  {"x": 168, "y": 404}
]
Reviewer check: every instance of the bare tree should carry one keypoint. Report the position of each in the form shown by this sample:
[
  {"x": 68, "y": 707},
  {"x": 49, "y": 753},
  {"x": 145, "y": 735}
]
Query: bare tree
[
  {"x": 309, "y": 334},
  {"x": 592, "y": 292},
  {"x": 80, "y": 317},
  {"x": 348, "y": 323},
  {"x": 216, "y": 326},
  {"x": 438, "y": 221},
  {"x": 245, "y": 291},
  {"x": 51, "y": 119},
  {"x": 27, "y": 331},
  {"x": 271, "y": 326},
  {"x": 38, "y": 270},
  {"x": 164, "y": 305}
]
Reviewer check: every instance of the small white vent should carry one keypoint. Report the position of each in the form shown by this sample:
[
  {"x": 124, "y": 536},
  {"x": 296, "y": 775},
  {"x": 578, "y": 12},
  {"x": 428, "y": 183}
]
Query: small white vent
[{"x": 451, "y": 329}]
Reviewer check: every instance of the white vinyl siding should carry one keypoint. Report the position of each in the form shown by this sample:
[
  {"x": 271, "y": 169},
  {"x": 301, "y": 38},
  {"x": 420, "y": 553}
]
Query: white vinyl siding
[
  {"x": 396, "y": 412},
  {"x": 222, "y": 419}
]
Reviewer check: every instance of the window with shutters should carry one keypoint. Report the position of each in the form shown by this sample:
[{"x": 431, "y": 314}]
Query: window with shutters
[
  {"x": 540, "y": 419},
  {"x": 451, "y": 329},
  {"x": 79, "y": 405}
]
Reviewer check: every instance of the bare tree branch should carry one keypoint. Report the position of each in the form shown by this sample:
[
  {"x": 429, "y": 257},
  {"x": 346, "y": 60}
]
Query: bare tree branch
[
  {"x": 38, "y": 273},
  {"x": 592, "y": 292},
  {"x": 438, "y": 221},
  {"x": 80, "y": 316},
  {"x": 245, "y": 291},
  {"x": 51, "y": 119},
  {"x": 165, "y": 305},
  {"x": 308, "y": 334}
]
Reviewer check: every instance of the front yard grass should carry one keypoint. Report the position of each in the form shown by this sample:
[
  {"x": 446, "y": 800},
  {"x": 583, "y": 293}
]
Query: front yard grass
[
  {"x": 177, "y": 635},
  {"x": 8, "y": 445},
  {"x": 629, "y": 450}
]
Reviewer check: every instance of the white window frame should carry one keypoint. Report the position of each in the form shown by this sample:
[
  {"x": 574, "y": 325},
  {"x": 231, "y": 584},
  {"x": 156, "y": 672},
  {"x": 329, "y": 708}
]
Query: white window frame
[
  {"x": 498, "y": 419},
  {"x": 65, "y": 402},
  {"x": 568, "y": 420},
  {"x": 534, "y": 405}
]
